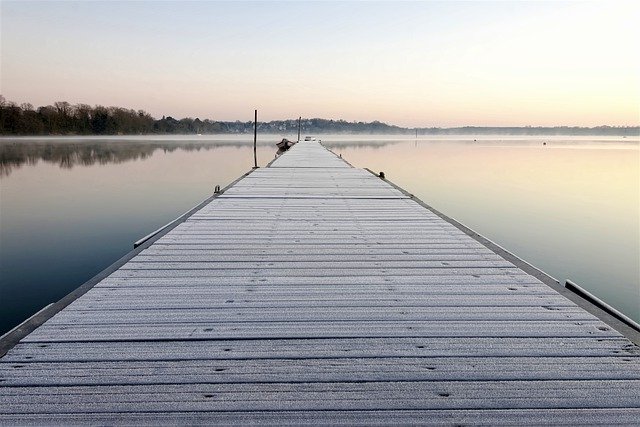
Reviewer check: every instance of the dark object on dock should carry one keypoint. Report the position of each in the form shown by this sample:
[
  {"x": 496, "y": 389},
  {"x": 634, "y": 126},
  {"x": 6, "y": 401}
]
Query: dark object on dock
[
  {"x": 381, "y": 175},
  {"x": 285, "y": 144}
]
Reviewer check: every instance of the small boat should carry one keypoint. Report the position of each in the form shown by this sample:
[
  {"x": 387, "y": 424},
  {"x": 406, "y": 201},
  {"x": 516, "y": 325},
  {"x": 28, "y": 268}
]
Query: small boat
[{"x": 307, "y": 138}]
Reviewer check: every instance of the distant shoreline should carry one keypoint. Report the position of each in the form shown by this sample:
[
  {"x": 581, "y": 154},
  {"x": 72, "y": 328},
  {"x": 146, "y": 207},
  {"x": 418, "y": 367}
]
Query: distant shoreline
[
  {"x": 479, "y": 132},
  {"x": 631, "y": 132},
  {"x": 64, "y": 119},
  {"x": 267, "y": 128}
]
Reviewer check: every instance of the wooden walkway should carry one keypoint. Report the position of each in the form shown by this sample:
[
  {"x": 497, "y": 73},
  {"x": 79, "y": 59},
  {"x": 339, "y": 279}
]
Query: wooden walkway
[{"x": 314, "y": 292}]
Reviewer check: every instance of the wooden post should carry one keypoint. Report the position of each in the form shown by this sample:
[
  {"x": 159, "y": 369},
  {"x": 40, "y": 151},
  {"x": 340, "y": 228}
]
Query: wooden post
[
  {"x": 299, "y": 119},
  {"x": 255, "y": 139}
]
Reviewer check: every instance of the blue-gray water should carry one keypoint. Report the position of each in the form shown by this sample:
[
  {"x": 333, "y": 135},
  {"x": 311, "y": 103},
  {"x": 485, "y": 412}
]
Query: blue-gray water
[{"x": 69, "y": 207}]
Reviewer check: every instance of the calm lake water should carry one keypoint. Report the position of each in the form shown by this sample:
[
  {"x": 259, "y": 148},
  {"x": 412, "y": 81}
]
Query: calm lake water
[{"x": 69, "y": 207}]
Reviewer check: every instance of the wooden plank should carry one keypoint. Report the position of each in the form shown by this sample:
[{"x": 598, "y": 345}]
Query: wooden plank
[
  {"x": 509, "y": 417},
  {"x": 317, "y": 272},
  {"x": 309, "y": 249},
  {"x": 286, "y": 265},
  {"x": 264, "y": 301},
  {"x": 293, "y": 246},
  {"x": 260, "y": 254},
  {"x": 415, "y": 291},
  {"x": 351, "y": 290},
  {"x": 332, "y": 329},
  {"x": 315, "y": 370},
  {"x": 213, "y": 228},
  {"x": 323, "y": 348},
  {"x": 356, "y": 281},
  {"x": 324, "y": 314},
  {"x": 292, "y": 240},
  {"x": 328, "y": 396}
]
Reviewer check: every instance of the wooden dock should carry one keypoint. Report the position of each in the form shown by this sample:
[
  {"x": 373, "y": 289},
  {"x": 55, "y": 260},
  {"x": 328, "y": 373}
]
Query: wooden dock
[{"x": 312, "y": 292}]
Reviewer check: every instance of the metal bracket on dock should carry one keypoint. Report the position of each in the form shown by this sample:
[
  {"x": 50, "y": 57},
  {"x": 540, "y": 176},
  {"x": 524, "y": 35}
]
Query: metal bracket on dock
[
  {"x": 584, "y": 294},
  {"x": 167, "y": 225}
]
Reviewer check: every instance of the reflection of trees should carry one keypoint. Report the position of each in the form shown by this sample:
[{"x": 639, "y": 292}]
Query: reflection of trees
[
  {"x": 14, "y": 154},
  {"x": 67, "y": 155}
]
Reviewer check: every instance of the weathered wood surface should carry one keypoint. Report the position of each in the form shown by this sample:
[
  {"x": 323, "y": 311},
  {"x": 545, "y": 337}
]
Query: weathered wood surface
[{"x": 312, "y": 292}]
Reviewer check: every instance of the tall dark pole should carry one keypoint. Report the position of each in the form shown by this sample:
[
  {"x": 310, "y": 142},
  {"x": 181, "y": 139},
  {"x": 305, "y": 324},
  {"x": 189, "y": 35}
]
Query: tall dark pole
[
  {"x": 255, "y": 139},
  {"x": 299, "y": 119}
]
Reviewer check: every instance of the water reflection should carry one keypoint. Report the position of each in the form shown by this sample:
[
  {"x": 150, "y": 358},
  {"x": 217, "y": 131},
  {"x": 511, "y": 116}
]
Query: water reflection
[{"x": 67, "y": 153}]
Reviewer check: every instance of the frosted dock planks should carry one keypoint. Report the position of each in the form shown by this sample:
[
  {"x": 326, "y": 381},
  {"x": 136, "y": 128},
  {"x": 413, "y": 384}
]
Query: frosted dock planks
[{"x": 314, "y": 292}]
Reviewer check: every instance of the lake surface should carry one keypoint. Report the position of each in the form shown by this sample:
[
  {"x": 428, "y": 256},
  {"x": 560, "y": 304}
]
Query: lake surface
[{"x": 69, "y": 207}]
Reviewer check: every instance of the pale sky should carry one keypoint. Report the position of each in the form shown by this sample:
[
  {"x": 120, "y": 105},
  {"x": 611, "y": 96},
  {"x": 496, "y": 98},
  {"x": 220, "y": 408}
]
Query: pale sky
[{"x": 409, "y": 63}]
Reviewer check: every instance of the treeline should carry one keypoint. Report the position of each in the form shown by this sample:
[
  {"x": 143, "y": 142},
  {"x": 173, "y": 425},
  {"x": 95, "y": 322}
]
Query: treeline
[
  {"x": 62, "y": 118},
  {"x": 325, "y": 126}
]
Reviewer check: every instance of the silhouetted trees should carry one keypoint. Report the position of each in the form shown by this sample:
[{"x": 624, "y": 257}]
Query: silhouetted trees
[{"x": 62, "y": 118}]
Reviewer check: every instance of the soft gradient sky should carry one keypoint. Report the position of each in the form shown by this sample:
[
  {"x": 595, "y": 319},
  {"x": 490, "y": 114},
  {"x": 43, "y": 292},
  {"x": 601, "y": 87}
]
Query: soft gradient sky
[{"x": 409, "y": 63}]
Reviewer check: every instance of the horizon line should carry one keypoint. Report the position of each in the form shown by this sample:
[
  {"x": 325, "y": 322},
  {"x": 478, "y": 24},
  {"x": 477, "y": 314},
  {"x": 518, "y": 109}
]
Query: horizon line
[{"x": 4, "y": 101}]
